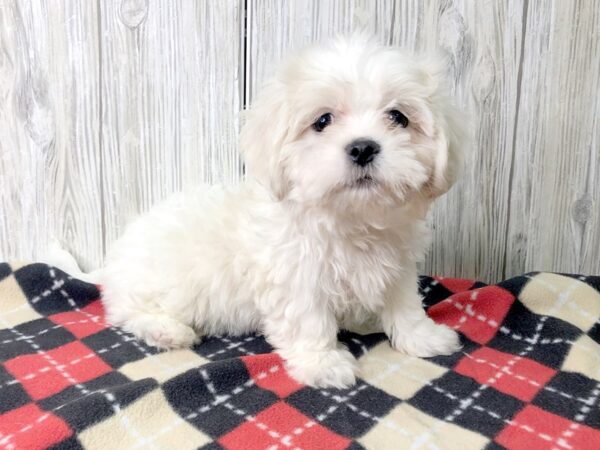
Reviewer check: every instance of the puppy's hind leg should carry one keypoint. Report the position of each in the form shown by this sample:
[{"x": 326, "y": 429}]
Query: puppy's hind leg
[
  {"x": 161, "y": 330},
  {"x": 155, "y": 316}
]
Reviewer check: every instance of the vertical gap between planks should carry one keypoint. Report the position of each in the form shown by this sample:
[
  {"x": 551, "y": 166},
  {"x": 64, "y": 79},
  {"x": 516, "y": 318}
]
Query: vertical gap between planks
[
  {"x": 514, "y": 137},
  {"x": 244, "y": 28},
  {"x": 100, "y": 139},
  {"x": 245, "y": 75},
  {"x": 392, "y": 24}
]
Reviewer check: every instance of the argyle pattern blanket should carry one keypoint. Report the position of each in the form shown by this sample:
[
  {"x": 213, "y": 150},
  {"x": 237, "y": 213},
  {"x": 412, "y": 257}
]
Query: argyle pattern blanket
[{"x": 528, "y": 376}]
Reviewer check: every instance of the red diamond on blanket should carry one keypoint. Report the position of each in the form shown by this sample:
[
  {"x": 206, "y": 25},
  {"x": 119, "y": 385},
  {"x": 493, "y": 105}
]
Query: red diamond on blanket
[
  {"x": 267, "y": 372},
  {"x": 456, "y": 284},
  {"x": 44, "y": 374},
  {"x": 31, "y": 427},
  {"x": 478, "y": 313},
  {"x": 281, "y": 424},
  {"x": 534, "y": 428},
  {"x": 514, "y": 375},
  {"x": 83, "y": 322}
]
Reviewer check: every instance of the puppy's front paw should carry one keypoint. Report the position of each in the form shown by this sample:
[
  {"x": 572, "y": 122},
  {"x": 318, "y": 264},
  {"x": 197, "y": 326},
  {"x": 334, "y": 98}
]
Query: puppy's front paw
[
  {"x": 425, "y": 339},
  {"x": 323, "y": 369}
]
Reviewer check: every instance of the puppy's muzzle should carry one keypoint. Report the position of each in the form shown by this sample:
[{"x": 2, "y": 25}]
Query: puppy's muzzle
[{"x": 362, "y": 151}]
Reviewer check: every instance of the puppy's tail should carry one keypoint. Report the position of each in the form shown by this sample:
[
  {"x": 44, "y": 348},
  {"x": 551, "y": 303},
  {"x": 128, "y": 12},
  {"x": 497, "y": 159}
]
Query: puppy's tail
[{"x": 60, "y": 258}]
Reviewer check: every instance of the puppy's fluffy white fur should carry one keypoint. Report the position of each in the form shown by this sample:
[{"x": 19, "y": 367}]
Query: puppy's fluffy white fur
[{"x": 310, "y": 241}]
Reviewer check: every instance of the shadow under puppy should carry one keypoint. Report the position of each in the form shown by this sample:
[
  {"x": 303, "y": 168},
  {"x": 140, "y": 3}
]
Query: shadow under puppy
[{"x": 345, "y": 150}]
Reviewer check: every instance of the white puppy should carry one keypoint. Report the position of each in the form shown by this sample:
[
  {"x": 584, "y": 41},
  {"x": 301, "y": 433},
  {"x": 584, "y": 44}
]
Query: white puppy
[{"x": 345, "y": 149}]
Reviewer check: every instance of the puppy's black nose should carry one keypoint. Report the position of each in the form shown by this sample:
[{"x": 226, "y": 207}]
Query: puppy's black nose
[{"x": 362, "y": 151}]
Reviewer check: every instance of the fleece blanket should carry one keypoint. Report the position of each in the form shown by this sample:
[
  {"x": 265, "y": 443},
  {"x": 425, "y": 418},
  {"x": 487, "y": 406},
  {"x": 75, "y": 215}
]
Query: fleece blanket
[{"x": 527, "y": 377}]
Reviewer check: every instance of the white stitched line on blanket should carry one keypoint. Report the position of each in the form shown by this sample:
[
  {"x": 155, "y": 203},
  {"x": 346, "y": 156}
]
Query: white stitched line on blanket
[
  {"x": 391, "y": 369},
  {"x": 504, "y": 329},
  {"x": 6, "y": 439},
  {"x": 116, "y": 330},
  {"x": 563, "y": 296},
  {"x": 93, "y": 318},
  {"x": 344, "y": 400},
  {"x": 491, "y": 322},
  {"x": 514, "y": 423},
  {"x": 430, "y": 285},
  {"x": 321, "y": 417},
  {"x": 582, "y": 312},
  {"x": 116, "y": 407},
  {"x": 232, "y": 345},
  {"x": 31, "y": 375},
  {"x": 591, "y": 352},
  {"x": 545, "y": 341},
  {"x": 583, "y": 412},
  {"x": 468, "y": 311},
  {"x": 52, "y": 361},
  {"x": 398, "y": 367},
  {"x": 55, "y": 327},
  {"x": 363, "y": 348},
  {"x": 373, "y": 381},
  {"x": 239, "y": 347},
  {"x": 207, "y": 407},
  {"x": 285, "y": 439},
  {"x": 476, "y": 407},
  {"x": 507, "y": 371},
  {"x": 57, "y": 284},
  {"x": 388, "y": 423},
  {"x": 465, "y": 403},
  {"x": 339, "y": 400}
]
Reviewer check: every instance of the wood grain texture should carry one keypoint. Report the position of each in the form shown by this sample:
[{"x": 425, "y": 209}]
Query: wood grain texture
[
  {"x": 555, "y": 219},
  {"x": 483, "y": 44},
  {"x": 49, "y": 163},
  {"x": 171, "y": 93},
  {"x": 108, "y": 106}
]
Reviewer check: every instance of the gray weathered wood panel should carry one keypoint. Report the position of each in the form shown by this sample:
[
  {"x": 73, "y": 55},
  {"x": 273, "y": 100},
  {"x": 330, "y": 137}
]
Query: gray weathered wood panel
[
  {"x": 49, "y": 116},
  {"x": 555, "y": 217},
  {"x": 108, "y": 106},
  {"x": 171, "y": 92}
]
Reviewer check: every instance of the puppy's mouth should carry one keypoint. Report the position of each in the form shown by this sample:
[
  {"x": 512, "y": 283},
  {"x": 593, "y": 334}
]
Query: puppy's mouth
[{"x": 364, "y": 182}]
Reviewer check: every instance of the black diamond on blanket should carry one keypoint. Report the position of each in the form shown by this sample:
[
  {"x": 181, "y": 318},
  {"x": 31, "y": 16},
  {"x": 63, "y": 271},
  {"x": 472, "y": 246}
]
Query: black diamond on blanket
[
  {"x": 528, "y": 376},
  {"x": 5, "y": 270}
]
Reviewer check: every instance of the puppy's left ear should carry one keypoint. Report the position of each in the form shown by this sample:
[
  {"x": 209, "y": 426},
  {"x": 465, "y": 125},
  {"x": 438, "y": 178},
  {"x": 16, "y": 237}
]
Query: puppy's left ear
[{"x": 450, "y": 129}]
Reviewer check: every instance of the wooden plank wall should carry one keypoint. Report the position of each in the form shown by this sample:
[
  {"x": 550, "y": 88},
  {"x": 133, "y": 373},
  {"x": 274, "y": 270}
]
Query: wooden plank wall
[
  {"x": 49, "y": 128},
  {"x": 108, "y": 106}
]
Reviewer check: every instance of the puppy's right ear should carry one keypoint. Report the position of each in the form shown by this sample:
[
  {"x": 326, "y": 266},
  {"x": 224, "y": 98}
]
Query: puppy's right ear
[
  {"x": 450, "y": 127},
  {"x": 262, "y": 137}
]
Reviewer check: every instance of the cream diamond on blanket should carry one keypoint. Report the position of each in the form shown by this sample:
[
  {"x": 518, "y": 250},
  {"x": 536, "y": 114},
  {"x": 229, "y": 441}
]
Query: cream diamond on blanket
[
  {"x": 146, "y": 423},
  {"x": 564, "y": 298}
]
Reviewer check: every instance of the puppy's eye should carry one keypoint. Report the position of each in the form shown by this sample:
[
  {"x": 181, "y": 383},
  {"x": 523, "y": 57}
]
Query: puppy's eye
[
  {"x": 398, "y": 118},
  {"x": 322, "y": 122}
]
